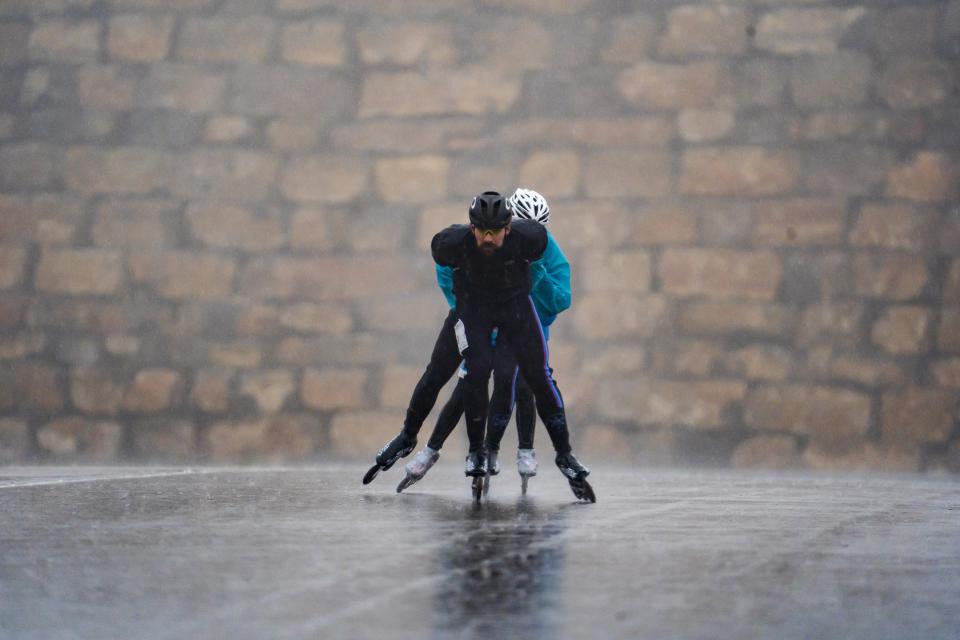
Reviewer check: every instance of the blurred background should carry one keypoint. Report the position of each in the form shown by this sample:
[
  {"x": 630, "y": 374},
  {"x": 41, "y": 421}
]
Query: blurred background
[{"x": 215, "y": 220}]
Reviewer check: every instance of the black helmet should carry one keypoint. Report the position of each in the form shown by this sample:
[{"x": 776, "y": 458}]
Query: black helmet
[{"x": 489, "y": 211}]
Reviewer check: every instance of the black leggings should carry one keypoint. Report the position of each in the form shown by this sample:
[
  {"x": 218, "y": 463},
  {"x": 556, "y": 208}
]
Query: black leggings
[
  {"x": 519, "y": 331},
  {"x": 509, "y": 388},
  {"x": 443, "y": 364}
]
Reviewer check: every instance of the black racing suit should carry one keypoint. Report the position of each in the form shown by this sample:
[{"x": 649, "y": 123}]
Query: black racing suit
[{"x": 494, "y": 291}]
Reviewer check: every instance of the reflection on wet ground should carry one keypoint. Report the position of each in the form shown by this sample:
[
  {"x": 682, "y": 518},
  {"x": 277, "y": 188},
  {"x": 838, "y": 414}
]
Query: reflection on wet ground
[{"x": 310, "y": 553}]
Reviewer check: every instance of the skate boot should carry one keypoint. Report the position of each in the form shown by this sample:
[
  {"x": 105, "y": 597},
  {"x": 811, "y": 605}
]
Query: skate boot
[
  {"x": 418, "y": 467},
  {"x": 576, "y": 475},
  {"x": 400, "y": 447},
  {"x": 476, "y": 468},
  {"x": 526, "y": 466}
]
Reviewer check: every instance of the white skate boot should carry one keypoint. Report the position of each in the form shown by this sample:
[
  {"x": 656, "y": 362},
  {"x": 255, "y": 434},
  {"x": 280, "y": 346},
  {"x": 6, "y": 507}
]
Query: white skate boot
[
  {"x": 526, "y": 466},
  {"x": 418, "y": 467}
]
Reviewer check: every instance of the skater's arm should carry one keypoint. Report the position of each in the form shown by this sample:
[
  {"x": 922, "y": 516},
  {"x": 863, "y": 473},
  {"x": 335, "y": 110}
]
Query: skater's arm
[
  {"x": 550, "y": 278},
  {"x": 447, "y": 246},
  {"x": 445, "y": 281},
  {"x": 531, "y": 238}
]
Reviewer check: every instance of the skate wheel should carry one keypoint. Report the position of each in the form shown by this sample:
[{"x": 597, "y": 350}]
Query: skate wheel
[
  {"x": 477, "y": 488},
  {"x": 371, "y": 474},
  {"x": 523, "y": 485},
  {"x": 406, "y": 482},
  {"x": 583, "y": 491}
]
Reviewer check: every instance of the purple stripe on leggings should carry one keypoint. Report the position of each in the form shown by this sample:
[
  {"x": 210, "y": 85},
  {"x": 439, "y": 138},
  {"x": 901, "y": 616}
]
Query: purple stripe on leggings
[{"x": 546, "y": 355}]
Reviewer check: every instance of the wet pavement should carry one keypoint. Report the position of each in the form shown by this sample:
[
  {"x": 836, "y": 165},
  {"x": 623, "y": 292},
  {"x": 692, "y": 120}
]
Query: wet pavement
[{"x": 311, "y": 553}]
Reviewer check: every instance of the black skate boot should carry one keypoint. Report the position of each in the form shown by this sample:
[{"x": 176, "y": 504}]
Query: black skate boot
[
  {"x": 576, "y": 475},
  {"x": 476, "y": 468},
  {"x": 401, "y": 446}
]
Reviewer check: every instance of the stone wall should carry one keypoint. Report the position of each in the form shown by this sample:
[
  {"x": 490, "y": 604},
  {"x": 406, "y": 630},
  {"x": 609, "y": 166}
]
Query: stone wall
[{"x": 215, "y": 215}]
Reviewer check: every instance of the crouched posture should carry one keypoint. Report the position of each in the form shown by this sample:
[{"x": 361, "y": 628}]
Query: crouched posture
[{"x": 491, "y": 259}]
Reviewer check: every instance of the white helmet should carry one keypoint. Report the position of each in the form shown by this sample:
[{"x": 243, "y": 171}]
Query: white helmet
[{"x": 527, "y": 204}]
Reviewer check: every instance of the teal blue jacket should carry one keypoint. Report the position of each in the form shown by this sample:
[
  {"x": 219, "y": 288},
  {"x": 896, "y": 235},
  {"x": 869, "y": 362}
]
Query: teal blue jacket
[{"x": 549, "y": 284}]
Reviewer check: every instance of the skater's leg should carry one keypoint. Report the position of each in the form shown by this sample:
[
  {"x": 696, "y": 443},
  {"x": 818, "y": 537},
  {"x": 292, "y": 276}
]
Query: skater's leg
[
  {"x": 444, "y": 361},
  {"x": 449, "y": 417},
  {"x": 501, "y": 403},
  {"x": 477, "y": 362},
  {"x": 526, "y": 414}
]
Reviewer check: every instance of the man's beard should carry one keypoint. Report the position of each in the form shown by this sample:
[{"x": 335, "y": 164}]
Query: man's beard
[{"x": 488, "y": 248}]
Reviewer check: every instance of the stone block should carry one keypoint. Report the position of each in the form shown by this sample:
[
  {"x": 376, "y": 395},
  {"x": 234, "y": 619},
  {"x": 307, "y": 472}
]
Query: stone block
[
  {"x": 328, "y": 278},
  {"x": 174, "y": 129},
  {"x": 315, "y": 43},
  {"x": 282, "y": 438},
  {"x": 848, "y": 170},
  {"x": 139, "y": 38},
  {"x": 70, "y": 41},
  {"x": 227, "y": 128},
  {"x": 397, "y": 314},
  {"x": 30, "y": 166},
  {"x": 95, "y": 391},
  {"x": 916, "y": 83},
  {"x": 225, "y": 39},
  {"x": 360, "y": 434},
  {"x": 871, "y": 372},
  {"x": 152, "y": 391},
  {"x": 407, "y": 43},
  {"x": 125, "y": 170},
  {"x": 799, "y": 221},
  {"x": 709, "y": 30},
  {"x": 436, "y": 217},
  {"x": 903, "y": 330},
  {"x": 412, "y": 179},
  {"x": 80, "y": 440},
  {"x": 608, "y": 443},
  {"x": 894, "y": 276},
  {"x": 626, "y": 271},
  {"x": 463, "y": 90},
  {"x": 623, "y": 358},
  {"x": 760, "y": 362},
  {"x": 79, "y": 271},
  {"x": 896, "y": 32},
  {"x": 685, "y": 358},
  {"x": 655, "y": 85},
  {"x": 308, "y": 317},
  {"x": 915, "y": 415},
  {"x": 165, "y": 439},
  {"x": 628, "y": 174},
  {"x": 930, "y": 177},
  {"x": 183, "y": 275},
  {"x": 12, "y": 265},
  {"x": 554, "y": 173},
  {"x": 862, "y": 456},
  {"x": 822, "y": 413},
  {"x": 833, "y": 322},
  {"x": 222, "y": 175},
  {"x": 700, "y": 405},
  {"x": 240, "y": 354},
  {"x": 13, "y": 43},
  {"x": 759, "y": 82},
  {"x": 314, "y": 95},
  {"x": 211, "y": 390},
  {"x": 326, "y": 178},
  {"x": 633, "y": 38},
  {"x": 135, "y": 222},
  {"x": 704, "y": 125},
  {"x": 948, "y": 335},
  {"x": 106, "y": 87},
  {"x": 619, "y": 315},
  {"x": 593, "y": 132},
  {"x": 268, "y": 389},
  {"x": 326, "y": 389},
  {"x": 947, "y": 372},
  {"x": 830, "y": 80},
  {"x": 181, "y": 87},
  {"x": 15, "y": 445},
  {"x": 666, "y": 224},
  {"x": 397, "y": 383},
  {"x": 318, "y": 229},
  {"x": 893, "y": 226},
  {"x": 741, "y": 172},
  {"x": 767, "y": 452},
  {"x": 18, "y": 346},
  {"x": 406, "y": 136},
  {"x": 519, "y": 44},
  {"x": 720, "y": 273},
  {"x": 30, "y": 386},
  {"x": 814, "y": 30},
  {"x": 727, "y": 317},
  {"x": 232, "y": 227}
]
